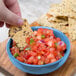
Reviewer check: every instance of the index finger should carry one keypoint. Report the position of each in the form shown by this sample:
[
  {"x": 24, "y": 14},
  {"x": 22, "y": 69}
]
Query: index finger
[{"x": 13, "y": 6}]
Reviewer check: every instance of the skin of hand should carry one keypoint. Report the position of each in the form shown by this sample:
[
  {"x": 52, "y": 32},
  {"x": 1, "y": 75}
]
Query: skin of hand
[{"x": 10, "y": 13}]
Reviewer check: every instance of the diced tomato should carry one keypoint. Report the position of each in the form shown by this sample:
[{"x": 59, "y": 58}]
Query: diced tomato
[
  {"x": 30, "y": 59},
  {"x": 20, "y": 59},
  {"x": 51, "y": 37},
  {"x": 50, "y": 56},
  {"x": 39, "y": 37},
  {"x": 42, "y": 47},
  {"x": 52, "y": 50},
  {"x": 32, "y": 53},
  {"x": 54, "y": 40},
  {"x": 47, "y": 61},
  {"x": 25, "y": 47},
  {"x": 50, "y": 32},
  {"x": 59, "y": 48},
  {"x": 53, "y": 60},
  {"x": 51, "y": 44},
  {"x": 39, "y": 32},
  {"x": 35, "y": 61},
  {"x": 35, "y": 32},
  {"x": 46, "y": 40},
  {"x": 40, "y": 62},
  {"x": 62, "y": 54},
  {"x": 14, "y": 50},
  {"x": 64, "y": 47},
  {"x": 22, "y": 53},
  {"x": 14, "y": 43},
  {"x": 46, "y": 54},
  {"x": 45, "y": 31},
  {"x": 34, "y": 48},
  {"x": 57, "y": 57},
  {"x": 42, "y": 52},
  {"x": 35, "y": 39},
  {"x": 58, "y": 39},
  {"x": 55, "y": 53},
  {"x": 43, "y": 58},
  {"x": 27, "y": 56},
  {"x": 28, "y": 40}
]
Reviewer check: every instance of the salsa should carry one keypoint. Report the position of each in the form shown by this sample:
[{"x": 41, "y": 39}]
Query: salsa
[{"x": 42, "y": 47}]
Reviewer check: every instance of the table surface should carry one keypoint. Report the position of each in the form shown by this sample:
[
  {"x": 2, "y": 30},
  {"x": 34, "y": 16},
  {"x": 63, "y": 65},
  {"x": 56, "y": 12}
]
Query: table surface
[{"x": 68, "y": 69}]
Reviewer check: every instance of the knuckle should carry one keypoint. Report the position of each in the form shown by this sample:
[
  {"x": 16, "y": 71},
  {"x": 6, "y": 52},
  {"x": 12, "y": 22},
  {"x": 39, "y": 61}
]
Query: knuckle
[{"x": 11, "y": 2}]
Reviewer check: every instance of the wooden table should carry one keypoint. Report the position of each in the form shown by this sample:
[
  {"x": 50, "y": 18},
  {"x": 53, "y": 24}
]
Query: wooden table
[{"x": 68, "y": 69}]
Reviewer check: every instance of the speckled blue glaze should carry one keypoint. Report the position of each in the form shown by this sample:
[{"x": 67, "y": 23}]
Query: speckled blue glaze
[{"x": 41, "y": 69}]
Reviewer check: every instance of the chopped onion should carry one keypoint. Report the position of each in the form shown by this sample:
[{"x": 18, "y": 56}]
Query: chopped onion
[
  {"x": 42, "y": 41},
  {"x": 51, "y": 37},
  {"x": 50, "y": 43},
  {"x": 52, "y": 49},
  {"x": 38, "y": 37},
  {"x": 61, "y": 43},
  {"x": 39, "y": 41},
  {"x": 35, "y": 32},
  {"x": 39, "y": 57}
]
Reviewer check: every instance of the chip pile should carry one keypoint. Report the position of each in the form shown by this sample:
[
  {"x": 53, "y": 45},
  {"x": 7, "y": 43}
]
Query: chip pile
[{"x": 62, "y": 17}]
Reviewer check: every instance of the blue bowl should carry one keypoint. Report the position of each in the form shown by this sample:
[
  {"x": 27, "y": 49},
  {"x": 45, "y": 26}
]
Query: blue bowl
[{"x": 41, "y": 69}]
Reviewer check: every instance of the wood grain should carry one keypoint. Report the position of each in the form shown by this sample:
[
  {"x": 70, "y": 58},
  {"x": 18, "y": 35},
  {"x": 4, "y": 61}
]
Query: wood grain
[{"x": 66, "y": 70}]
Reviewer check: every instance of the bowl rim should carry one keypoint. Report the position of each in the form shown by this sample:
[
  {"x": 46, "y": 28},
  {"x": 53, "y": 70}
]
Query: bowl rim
[{"x": 37, "y": 27}]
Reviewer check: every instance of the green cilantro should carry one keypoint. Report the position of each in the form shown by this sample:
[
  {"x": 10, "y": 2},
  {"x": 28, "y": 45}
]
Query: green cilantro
[
  {"x": 28, "y": 48},
  {"x": 61, "y": 56},
  {"x": 15, "y": 55},
  {"x": 56, "y": 44},
  {"x": 43, "y": 36},
  {"x": 31, "y": 40}
]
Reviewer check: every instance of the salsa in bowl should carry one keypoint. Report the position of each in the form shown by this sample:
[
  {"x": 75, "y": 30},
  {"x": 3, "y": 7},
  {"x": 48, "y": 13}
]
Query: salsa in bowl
[
  {"x": 44, "y": 52},
  {"x": 42, "y": 47}
]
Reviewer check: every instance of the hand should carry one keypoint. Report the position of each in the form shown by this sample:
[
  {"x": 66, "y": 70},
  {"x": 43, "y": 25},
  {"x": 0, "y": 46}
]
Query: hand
[{"x": 10, "y": 13}]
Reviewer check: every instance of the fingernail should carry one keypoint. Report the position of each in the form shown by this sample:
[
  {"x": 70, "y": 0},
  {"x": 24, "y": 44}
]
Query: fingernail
[{"x": 20, "y": 22}]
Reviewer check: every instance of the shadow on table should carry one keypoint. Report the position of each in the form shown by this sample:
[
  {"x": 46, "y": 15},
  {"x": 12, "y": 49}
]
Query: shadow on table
[
  {"x": 49, "y": 74},
  {"x": 4, "y": 72}
]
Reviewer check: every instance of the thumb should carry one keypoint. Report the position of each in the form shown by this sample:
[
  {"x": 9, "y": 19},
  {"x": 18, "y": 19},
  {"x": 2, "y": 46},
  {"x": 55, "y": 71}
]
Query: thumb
[{"x": 9, "y": 17}]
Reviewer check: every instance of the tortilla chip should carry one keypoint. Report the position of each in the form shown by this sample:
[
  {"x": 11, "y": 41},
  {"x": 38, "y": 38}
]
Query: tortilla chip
[
  {"x": 60, "y": 26},
  {"x": 72, "y": 29},
  {"x": 14, "y": 29},
  {"x": 20, "y": 37},
  {"x": 59, "y": 10},
  {"x": 19, "y": 34}
]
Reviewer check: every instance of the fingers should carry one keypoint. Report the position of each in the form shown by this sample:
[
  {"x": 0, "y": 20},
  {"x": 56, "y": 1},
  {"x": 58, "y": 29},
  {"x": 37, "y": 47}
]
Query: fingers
[
  {"x": 8, "y": 25},
  {"x": 1, "y": 24},
  {"x": 9, "y": 17},
  {"x": 13, "y": 6}
]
